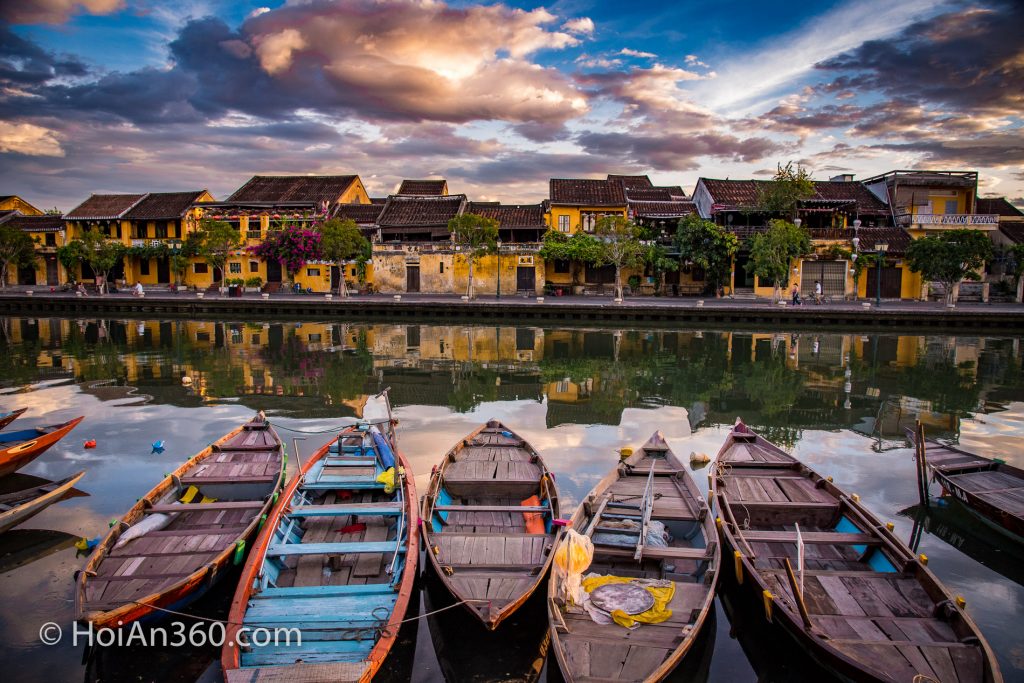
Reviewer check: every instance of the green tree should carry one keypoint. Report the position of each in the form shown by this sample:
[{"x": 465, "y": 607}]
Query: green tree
[
  {"x": 783, "y": 194},
  {"x": 772, "y": 252},
  {"x": 102, "y": 254},
  {"x": 477, "y": 236},
  {"x": 70, "y": 255},
  {"x": 178, "y": 262},
  {"x": 342, "y": 241},
  {"x": 950, "y": 257},
  {"x": 577, "y": 249},
  {"x": 16, "y": 250},
  {"x": 657, "y": 257},
  {"x": 709, "y": 247},
  {"x": 213, "y": 242},
  {"x": 620, "y": 245}
]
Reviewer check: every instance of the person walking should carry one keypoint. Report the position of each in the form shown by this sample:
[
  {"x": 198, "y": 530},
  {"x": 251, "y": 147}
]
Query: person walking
[
  {"x": 795, "y": 294},
  {"x": 817, "y": 291}
]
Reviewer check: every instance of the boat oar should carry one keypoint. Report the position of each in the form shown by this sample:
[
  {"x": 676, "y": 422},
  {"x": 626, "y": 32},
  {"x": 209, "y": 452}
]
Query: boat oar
[
  {"x": 798, "y": 595},
  {"x": 295, "y": 448}
]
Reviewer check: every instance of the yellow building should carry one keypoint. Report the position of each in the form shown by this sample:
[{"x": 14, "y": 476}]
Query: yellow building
[
  {"x": 575, "y": 204},
  {"x": 13, "y": 202},
  {"x": 266, "y": 203},
  {"x": 928, "y": 202},
  {"x": 48, "y": 234}
]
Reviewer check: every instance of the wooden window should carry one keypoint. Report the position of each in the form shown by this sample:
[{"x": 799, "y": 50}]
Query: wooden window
[
  {"x": 235, "y": 268},
  {"x": 312, "y": 272},
  {"x": 441, "y": 270},
  {"x": 144, "y": 267},
  {"x": 254, "y": 266},
  {"x": 561, "y": 266},
  {"x": 563, "y": 224},
  {"x": 200, "y": 268},
  {"x": 160, "y": 231},
  {"x": 51, "y": 239}
]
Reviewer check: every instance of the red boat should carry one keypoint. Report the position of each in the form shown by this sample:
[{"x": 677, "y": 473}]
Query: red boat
[
  {"x": 21, "y": 448},
  {"x": 9, "y": 417}
]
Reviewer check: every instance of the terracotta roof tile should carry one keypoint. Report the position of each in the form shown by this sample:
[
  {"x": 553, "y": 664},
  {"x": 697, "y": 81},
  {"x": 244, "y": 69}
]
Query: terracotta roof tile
[
  {"x": 7, "y": 215},
  {"x": 48, "y": 223},
  {"x": 363, "y": 214},
  {"x": 420, "y": 212},
  {"x": 585, "y": 192},
  {"x": 511, "y": 216},
  {"x": 999, "y": 206},
  {"x": 660, "y": 209},
  {"x": 728, "y": 194},
  {"x": 312, "y": 189},
  {"x": 163, "y": 205},
  {"x": 1013, "y": 232},
  {"x": 426, "y": 188},
  {"x": 656, "y": 194},
  {"x": 631, "y": 182},
  {"x": 897, "y": 238},
  {"x": 104, "y": 206}
]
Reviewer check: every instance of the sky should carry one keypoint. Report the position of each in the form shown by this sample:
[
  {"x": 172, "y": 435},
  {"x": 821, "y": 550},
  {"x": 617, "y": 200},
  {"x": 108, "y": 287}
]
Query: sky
[{"x": 150, "y": 96}]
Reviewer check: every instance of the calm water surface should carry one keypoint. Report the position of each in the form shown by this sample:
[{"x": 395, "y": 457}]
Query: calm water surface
[{"x": 840, "y": 402}]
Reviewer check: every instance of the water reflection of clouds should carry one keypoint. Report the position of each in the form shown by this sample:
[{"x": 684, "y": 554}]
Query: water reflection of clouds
[{"x": 997, "y": 435}]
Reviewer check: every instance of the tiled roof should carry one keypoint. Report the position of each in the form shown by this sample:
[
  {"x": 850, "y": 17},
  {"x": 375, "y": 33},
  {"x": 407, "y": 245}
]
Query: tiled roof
[
  {"x": 897, "y": 238},
  {"x": 160, "y": 205},
  {"x": 744, "y": 194},
  {"x": 49, "y": 223},
  {"x": 660, "y": 209},
  {"x": 656, "y": 194},
  {"x": 311, "y": 189},
  {"x": 360, "y": 213},
  {"x": 999, "y": 206},
  {"x": 7, "y": 215},
  {"x": 511, "y": 216},
  {"x": 378, "y": 200},
  {"x": 104, "y": 206},
  {"x": 420, "y": 212},
  {"x": 426, "y": 188},
  {"x": 584, "y": 192},
  {"x": 631, "y": 182},
  {"x": 1013, "y": 231}
]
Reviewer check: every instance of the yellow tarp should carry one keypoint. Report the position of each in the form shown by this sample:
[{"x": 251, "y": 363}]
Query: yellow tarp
[
  {"x": 573, "y": 555},
  {"x": 655, "y": 615},
  {"x": 388, "y": 479}
]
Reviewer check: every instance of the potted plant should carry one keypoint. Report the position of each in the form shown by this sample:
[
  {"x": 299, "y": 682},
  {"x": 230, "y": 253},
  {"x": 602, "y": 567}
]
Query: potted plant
[{"x": 253, "y": 284}]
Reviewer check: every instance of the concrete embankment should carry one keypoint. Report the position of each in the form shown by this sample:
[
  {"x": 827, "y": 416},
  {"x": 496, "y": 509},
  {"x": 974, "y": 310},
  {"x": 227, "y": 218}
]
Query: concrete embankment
[{"x": 1005, "y": 318}]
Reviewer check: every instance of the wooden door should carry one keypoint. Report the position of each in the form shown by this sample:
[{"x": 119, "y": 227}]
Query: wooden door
[
  {"x": 52, "y": 275},
  {"x": 412, "y": 278},
  {"x": 891, "y": 283},
  {"x": 163, "y": 271},
  {"x": 27, "y": 275},
  {"x": 273, "y": 271},
  {"x": 526, "y": 279},
  {"x": 335, "y": 277}
]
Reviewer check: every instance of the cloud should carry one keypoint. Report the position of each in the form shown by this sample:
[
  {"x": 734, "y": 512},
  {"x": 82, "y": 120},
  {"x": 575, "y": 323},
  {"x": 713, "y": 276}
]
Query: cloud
[
  {"x": 53, "y": 11},
  {"x": 583, "y": 25},
  {"x": 29, "y": 139},
  {"x": 675, "y": 152},
  {"x": 970, "y": 60},
  {"x": 637, "y": 53},
  {"x": 275, "y": 50}
]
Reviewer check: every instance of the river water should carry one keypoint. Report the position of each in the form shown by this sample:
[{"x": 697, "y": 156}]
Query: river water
[{"x": 840, "y": 402}]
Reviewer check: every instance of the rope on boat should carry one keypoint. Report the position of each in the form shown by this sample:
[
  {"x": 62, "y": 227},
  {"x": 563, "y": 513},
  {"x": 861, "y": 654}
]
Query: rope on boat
[
  {"x": 186, "y": 614},
  {"x": 306, "y": 431}
]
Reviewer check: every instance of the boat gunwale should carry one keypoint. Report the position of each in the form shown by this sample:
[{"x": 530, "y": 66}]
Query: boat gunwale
[
  {"x": 914, "y": 568},
  {"x": 16, "y": 456},
  {"x": 16, "y": 515},
  {"x": 146, "y": 605}
]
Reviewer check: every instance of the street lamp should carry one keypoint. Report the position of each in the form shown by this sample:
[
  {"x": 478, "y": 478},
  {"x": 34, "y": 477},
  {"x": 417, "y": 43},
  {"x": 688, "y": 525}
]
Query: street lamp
[
  {"x": 499, "y": 270},
  {"x": 880, "y": 249}
]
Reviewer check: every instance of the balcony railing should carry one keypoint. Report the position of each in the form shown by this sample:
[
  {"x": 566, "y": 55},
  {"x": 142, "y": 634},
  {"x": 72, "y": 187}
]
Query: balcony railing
[
  {"x": 253, "y": 234},
  {"x": 953, "y": 219}
]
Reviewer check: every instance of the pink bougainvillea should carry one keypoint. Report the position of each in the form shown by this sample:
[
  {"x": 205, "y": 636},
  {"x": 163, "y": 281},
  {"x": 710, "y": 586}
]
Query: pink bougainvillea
[{"x": 293, "y": 247}]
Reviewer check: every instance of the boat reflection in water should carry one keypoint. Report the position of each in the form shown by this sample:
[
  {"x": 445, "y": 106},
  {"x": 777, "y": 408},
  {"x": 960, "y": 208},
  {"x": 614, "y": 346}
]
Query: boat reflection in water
[
  {"x": 961, "y": 528},
  {"x": 19, "y": 547}
]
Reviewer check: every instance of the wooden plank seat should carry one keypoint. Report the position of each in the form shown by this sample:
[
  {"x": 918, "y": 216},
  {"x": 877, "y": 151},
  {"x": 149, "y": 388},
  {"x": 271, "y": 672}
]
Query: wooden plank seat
[
  {"x": 381, "y": 509},
  {"x": 656, "y": 553},
  {"x": 204, "y": 507},
  {"x": 199, "y": 480},
  {"x": 317, "y": 591},
  {"x": 492, "y": 508},
  {"x": 810, "y": 537},
  {"x": 336, "y": 461},
  {"x": 283, "y": 549}
]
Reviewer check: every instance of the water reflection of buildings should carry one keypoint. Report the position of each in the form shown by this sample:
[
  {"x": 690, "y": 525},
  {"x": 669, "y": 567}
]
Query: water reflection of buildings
[{"x": 784, "y": 382}]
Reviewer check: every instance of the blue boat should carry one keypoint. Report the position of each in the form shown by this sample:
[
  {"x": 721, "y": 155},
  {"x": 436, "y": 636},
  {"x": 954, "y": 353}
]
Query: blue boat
[{"x": 333, "y": 570}]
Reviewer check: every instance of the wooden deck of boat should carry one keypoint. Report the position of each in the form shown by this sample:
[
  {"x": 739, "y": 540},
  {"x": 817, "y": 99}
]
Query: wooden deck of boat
[
  {"x": 981, "y": 476},
  {"x": 871, "y": 606},
  {"x": 599, "y": 652},
  {"x": 197, "y": 533}
]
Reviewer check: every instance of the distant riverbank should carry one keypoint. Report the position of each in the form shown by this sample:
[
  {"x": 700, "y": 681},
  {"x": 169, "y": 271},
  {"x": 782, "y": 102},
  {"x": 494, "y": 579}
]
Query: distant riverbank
[{"x": 585, "y": 310}]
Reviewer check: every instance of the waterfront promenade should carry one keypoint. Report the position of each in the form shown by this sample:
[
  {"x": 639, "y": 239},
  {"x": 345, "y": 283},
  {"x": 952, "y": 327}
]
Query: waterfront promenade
[{"x": 1008, "y": 317}]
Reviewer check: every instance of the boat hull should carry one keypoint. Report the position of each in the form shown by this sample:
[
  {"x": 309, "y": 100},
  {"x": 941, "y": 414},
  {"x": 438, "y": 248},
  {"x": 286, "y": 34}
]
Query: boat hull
[
  {"x": 14, "y": 517},
  {"x": 16, "y": 457}
]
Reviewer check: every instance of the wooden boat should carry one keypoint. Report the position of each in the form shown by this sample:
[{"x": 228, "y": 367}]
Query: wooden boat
[
  {"x": 337, "y": 561},
  {"x": 183, "y": 536},
  {"x": 8, "y": 417},
  {"x": 989, "y": 488},
  {"x": 488, "y": 521},
  {"x": 18, "y": 506},
  {"x": 651, "y": 485},
  {"x": 18, "y": 449},
  {"x": 868, "y": 610}
]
